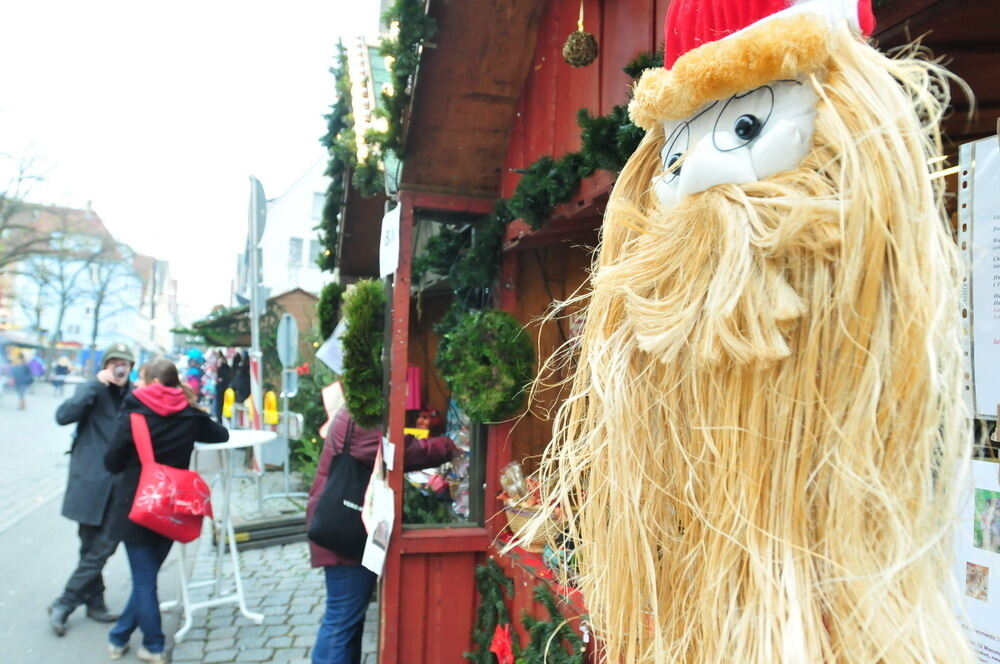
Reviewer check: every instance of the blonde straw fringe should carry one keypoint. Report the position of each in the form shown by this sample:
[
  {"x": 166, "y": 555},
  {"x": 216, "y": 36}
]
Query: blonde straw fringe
[{"x": 764, "y": 417}]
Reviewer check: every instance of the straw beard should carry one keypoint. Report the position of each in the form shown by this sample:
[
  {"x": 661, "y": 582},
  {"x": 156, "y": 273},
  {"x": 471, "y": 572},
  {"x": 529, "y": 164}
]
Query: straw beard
[{"x": 757, "y": 449}]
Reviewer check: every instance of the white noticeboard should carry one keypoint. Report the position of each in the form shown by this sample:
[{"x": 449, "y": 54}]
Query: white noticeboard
[
  {"x": 977, "y": 565},
  {"x": 388, "y": 255},
  {"x": 979, "y": 240}
]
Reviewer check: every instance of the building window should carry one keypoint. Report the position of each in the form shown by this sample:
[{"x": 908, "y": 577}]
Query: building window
[
  {"x": 314, "y": 249},
  {"x": 295, "y": 252},
  {"x": 319, "y": 200}
]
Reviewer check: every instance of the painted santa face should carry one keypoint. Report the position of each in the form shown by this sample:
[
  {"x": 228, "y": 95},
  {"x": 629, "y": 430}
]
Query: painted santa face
[{"x": 745, "y": 138}]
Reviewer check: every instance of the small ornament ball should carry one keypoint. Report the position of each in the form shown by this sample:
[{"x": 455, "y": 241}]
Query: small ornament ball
[{"x": 580, "y": 49}]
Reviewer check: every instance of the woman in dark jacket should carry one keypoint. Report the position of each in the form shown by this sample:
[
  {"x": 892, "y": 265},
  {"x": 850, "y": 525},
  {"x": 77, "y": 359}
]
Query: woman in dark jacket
[
  {"x": 174, "y": 426},
  {"x": 349, "y": 586}
]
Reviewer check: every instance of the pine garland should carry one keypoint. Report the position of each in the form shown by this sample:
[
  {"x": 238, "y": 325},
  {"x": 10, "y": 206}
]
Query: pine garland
[
  {"x": 364, "y": 310},
  {"x": 552, "y": 641},
  {"x": 415, "y": 27},
  {"x": 339, "y": 141},
  {"x": 493, "y": 586}
]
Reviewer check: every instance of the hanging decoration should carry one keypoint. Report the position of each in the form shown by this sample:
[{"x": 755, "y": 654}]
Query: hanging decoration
[
  {"x": 487, "y": 360},
  {"x": 580, "y": 48}
]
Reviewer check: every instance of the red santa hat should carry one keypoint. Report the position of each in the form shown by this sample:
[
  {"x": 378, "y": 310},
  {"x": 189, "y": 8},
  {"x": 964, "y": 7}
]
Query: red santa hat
[{"x": 717, "y": 48}]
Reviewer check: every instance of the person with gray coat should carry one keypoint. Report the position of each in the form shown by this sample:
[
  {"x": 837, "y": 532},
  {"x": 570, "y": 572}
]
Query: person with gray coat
[{"x": 94, "y": 409}]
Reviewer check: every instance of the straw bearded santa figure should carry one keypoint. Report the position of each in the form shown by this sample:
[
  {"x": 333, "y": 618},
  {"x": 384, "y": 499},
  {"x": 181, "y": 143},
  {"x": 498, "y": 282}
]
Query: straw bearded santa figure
[{"x": 764, "y": 419}]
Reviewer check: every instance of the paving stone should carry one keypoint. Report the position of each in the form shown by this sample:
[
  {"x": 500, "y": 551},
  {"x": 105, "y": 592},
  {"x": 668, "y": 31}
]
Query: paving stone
[
  {"x": 192, "y": 650},
  {"x": 279, "y": 642},
  {"x": 219, "y": 656},
  {"x": 305, "y": 641},
  {"x": 256, "y": 655},
  {"x": 277, "y": 630},
  {"x": 224, "y": 632},
  {"x": 302, "y": 619}
]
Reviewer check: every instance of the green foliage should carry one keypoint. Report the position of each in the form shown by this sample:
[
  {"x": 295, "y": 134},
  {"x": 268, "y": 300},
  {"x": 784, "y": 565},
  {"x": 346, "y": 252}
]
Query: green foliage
[
  {"x": 415, "y": 27},
  {"x": 492, "y": 584},
  {"x": 369, "y": 178},
  {"x": 642, "y": 62},
  {"x": 309, "y": 402},
  {"x": 552, "y": 641},
  {"x": 364, "y": 310},
  {"x": 328, "y": 309},
  {"x": 339, "y": 141},
  {"x": 424, "y": 507},
  {"x": 608, "y": 140},
  {"x": 487, "y": 360},
  {"x": 547, "y": 183}
]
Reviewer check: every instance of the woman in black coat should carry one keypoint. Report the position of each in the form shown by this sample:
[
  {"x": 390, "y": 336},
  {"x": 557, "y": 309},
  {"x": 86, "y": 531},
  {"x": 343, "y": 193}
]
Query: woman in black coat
[{"x": 174, "y": 426}]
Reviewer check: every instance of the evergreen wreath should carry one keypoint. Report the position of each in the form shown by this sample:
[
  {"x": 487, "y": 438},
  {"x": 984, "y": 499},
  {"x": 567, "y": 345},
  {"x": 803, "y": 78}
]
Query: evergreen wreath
[
  {"x": 487, "y": 360},
  {"x": 364, "y": 312}
]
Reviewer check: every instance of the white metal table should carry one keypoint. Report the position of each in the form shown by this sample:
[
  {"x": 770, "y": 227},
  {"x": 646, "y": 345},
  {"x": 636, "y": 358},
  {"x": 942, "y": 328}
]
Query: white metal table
[{"x": 239, "y": 439}]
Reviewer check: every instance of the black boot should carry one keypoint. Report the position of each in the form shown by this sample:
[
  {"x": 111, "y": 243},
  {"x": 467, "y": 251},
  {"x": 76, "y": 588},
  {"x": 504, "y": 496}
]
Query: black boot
[
  {"x": 98, "y": 610},
  {"x": 58, "y": 613}
]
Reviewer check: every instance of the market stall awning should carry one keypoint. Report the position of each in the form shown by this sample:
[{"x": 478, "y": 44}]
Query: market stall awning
[
  {"x": 15, "y": 338},
  {"x": 465, "y": 93}
]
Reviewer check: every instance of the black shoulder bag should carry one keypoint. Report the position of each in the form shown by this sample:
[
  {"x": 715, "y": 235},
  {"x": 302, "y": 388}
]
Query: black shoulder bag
[{"x": 336, "y": 522}]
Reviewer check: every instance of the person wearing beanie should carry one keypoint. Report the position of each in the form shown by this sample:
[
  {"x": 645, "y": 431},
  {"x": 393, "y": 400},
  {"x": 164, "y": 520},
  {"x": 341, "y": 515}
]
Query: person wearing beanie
[
  {"x": 175, "y": 423},
  {"x": 94, "y": 409}
]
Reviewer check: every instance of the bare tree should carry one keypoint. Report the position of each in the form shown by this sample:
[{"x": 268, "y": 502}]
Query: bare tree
[
  {"x": 108, "y": 287},
  {"x": 18, "y": 237},
  {"x": 64, "y": 263},
  {"x": 35, "y": 269}
]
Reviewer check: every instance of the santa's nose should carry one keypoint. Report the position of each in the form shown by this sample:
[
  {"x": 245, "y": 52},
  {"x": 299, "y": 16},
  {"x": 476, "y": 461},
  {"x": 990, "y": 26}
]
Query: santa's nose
[{"x": 706, "y": 166}]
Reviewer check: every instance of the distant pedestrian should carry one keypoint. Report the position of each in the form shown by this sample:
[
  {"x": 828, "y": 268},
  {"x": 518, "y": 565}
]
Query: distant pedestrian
[
  {"x": 21, "y": 375},
  {"x": 59, "y": 373},
  {"x": 175, "y": 423},
  {"x": 94, "y": 408},
  {"x": 223, "y": 377}
]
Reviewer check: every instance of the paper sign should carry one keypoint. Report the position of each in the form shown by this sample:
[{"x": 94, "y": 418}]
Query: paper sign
[
  {"x": 980, "y": 219},
  {"x": 378, "y": 515},
  {"x": 388, "y": 255},
  {"x": 332, "y": 350},
  {"x": 388, "y": 453},
  {"x": 977, "y": 565}
]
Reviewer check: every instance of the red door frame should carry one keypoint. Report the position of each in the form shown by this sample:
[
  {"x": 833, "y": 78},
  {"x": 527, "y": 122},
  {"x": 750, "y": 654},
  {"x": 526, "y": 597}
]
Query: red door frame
[{"x": 424, "y": 541}]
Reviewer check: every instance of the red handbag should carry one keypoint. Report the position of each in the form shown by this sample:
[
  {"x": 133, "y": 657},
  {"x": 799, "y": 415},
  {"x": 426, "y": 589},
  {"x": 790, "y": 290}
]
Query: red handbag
[{"x": 170, "y": 501}]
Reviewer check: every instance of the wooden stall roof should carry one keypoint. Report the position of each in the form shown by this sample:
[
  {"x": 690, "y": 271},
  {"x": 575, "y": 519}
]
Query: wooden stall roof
[
  {"x": 360, "y": 234},
  {"x": 466, "y": 90},
  {"x": 966, "y": 33}
]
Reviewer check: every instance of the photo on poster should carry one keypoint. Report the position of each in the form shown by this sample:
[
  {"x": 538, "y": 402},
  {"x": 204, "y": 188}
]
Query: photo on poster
[
  {"x": 381, "y": 535},
  {"x": 986, "y": 524},
  {"x": 977, "y": 581}
]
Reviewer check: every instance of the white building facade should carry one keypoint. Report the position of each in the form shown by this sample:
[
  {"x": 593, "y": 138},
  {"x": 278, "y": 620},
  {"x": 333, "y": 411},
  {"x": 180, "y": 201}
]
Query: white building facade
[{"x": 290, "y": 244}]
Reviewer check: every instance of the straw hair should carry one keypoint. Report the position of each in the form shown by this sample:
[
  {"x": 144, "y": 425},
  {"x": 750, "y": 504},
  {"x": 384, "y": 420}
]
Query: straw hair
[{"x": 764, "y": 418}]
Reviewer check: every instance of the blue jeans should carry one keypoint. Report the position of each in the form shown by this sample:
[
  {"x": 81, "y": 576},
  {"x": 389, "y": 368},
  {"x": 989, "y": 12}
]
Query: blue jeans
[
  {"x": 143, "y": 608},
  {"x": 348, "y": 591}
]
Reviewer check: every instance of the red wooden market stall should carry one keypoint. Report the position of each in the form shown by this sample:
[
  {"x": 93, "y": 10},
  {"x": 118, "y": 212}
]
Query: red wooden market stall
[{"x": 492, "y": 95}]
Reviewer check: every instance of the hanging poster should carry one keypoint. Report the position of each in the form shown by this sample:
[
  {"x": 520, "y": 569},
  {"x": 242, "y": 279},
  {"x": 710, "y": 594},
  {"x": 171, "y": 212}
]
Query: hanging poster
[
  {"x": 977, "y": 565},
  {"x": 979, "y": 238}
]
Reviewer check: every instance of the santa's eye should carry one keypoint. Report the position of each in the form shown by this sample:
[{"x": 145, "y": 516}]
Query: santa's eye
[
  {"x": 743, "y": 118},
  {"x": 671, "y": 160},
  {"x": 747, "y": 127},
  {"x": 675, "y": 147}
]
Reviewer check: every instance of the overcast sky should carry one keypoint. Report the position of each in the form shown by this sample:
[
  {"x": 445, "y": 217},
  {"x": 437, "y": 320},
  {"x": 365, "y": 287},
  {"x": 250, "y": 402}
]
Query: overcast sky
[{"x": 159, "y": 112}]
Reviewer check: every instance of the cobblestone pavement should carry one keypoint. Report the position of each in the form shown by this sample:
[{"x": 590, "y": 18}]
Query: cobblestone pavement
[
  {"x": 278, "y": 583},
  {"x": 38, "y": 549},
  {"x": 34, "y": 446}
]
